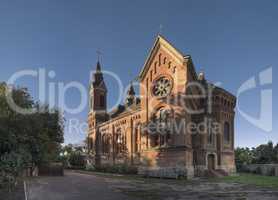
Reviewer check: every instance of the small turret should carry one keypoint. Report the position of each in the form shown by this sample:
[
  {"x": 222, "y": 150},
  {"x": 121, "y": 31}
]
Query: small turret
[{"x": 130, "y": 98}]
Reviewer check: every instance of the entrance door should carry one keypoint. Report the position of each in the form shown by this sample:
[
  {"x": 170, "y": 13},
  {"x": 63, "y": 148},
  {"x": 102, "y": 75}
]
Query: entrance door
[{"x": 211, "y": 162}]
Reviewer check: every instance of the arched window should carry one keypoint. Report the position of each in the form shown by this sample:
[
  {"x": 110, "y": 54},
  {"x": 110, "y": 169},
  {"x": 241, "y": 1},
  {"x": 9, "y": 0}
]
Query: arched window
[
  {"x": 159, "y": 59},
  {"x": 210, "y": 135},
  {"x": 106, "y": 144},
  {"x": 226, "y": 132},
  {"x": 164, "y": 60},
  {"x": 101, "y": 100},
  {"x": 137, "y": 139},
  {"x": 120, "y": 142}
]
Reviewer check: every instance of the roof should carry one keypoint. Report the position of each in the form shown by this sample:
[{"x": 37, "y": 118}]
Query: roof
[
  {"x": 159, "y": 41},
  {"x": 121, "y": 109}
]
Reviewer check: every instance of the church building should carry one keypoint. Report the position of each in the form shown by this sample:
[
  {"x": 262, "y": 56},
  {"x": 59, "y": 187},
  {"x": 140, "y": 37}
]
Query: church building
[{"x": 179, "y": 125}]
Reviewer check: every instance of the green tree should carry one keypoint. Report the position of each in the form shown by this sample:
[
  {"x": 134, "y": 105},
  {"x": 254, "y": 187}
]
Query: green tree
[
  {"x": 27, "y": 140},
  {"x": 243, "y": 156},
  {"x": 264, "y": 154}
]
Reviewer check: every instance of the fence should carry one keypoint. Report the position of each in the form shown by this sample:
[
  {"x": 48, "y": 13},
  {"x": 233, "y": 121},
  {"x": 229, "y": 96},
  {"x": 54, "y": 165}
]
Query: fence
[
  {"x": 263, "y": 169},
  {"x": 52, "y": 169}
]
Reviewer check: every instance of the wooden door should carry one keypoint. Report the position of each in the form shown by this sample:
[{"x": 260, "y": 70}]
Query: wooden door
[{"x": 211, "y": 162}]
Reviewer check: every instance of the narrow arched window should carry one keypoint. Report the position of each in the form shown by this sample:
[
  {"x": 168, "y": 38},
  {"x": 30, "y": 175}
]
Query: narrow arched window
[
  {"x": 226, "y": 132},
  {"x": 101, "y": 100}
]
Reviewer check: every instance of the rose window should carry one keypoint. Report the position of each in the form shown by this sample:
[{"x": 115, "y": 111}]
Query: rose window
[{"x": 162, "y": 87}]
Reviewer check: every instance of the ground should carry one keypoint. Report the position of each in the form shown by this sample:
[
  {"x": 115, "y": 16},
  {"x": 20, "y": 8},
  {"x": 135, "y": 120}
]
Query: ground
[
  {"x": 17, "y": 194},
  {"x": 87, "y": 186}
]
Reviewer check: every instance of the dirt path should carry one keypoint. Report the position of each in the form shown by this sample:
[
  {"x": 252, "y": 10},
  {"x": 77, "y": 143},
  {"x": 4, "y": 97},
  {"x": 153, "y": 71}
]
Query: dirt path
[{"x": 75, "y": 186}]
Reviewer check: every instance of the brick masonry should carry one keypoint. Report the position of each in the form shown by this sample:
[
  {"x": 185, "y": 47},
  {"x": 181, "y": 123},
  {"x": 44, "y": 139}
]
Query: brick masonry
[{"x": 124, "y": 135}]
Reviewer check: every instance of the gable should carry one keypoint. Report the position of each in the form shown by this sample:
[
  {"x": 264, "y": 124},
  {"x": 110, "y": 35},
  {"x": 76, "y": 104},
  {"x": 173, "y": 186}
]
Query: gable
[{"x": 164, "y": 45}]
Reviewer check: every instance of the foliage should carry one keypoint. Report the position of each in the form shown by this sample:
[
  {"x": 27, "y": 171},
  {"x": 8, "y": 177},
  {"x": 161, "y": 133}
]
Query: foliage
[
  {"x": 263, "y": 154},
  {"x": 11, "y": 165},
  {"x": 118, "y": 168},
  {"x": 26, "y": 140},
  {"x": 243, "y": 156}
]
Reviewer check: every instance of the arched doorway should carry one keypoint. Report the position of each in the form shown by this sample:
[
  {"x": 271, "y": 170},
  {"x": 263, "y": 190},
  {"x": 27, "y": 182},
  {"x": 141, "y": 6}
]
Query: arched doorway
[{"x": 211, "y": 162}]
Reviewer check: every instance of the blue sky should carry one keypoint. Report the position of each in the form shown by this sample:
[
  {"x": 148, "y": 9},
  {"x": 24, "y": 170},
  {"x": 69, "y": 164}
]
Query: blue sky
[{"x": 230, "y": 40}]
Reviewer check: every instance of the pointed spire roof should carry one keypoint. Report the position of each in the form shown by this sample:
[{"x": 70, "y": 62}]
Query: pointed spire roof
[
  {"x": 98, "y": 80},
  {"x": 131, "y": 90},
  {"x": 98, "y": 67}
]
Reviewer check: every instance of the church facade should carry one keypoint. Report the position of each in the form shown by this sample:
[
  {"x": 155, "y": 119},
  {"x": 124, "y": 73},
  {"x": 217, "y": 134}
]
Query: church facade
[{"x": 179, "y": 124}]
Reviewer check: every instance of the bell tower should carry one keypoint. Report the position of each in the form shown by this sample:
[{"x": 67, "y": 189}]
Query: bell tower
[
  {"x": 98, "y": 111},
  {"x": 98, "y": 92}
]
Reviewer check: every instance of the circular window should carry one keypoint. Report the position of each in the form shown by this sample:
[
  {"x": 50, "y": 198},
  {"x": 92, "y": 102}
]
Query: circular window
[{"x": 162, "y": 87}]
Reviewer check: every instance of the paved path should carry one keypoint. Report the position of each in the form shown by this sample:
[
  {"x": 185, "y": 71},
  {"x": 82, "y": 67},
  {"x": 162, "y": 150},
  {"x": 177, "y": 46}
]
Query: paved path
[
  {"x": 75, "y": 186},
  {"x": 72, "y": 186}
]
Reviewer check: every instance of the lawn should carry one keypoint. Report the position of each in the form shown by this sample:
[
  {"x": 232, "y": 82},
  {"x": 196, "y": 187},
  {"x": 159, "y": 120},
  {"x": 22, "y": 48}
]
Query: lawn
[
  {"x": 252, "y": 179},
  {"x": 244, "y": 178},
  {"x": 243, "y": 186}
]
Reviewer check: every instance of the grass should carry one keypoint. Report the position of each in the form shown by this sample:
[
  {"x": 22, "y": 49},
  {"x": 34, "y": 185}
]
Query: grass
[
  {"x": 252, "y": 179},
  {"x": 243, "y": 178}
]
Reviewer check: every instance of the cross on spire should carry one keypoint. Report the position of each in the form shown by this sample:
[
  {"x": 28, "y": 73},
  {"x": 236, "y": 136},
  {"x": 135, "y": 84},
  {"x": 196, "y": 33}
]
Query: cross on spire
[{"x": 99, "y": 53}]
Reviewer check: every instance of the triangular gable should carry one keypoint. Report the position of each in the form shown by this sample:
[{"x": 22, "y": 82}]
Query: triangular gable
[{"x": 160, "y": 42}]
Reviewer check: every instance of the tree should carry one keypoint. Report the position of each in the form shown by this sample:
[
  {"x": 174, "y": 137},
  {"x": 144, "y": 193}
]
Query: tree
[
  {"x": 243, "y": 156},
  {"x": 264, "y": 154},
  {"x": 27, "y": 140}
]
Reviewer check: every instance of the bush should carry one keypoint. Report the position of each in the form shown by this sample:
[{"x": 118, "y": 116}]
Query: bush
[
  {"x": 11, "y": 167},
  {"x": 119, "y": 169},
  {"x": 90, "y": 167}
]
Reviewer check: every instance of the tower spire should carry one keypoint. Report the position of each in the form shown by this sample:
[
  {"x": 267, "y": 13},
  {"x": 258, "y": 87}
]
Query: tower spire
[
  {"x": 98, "y": 80},
  {"x": 131, "y": 90},
  {"x": 98, "y": 68},
  {"x": 130, "y": 97}
]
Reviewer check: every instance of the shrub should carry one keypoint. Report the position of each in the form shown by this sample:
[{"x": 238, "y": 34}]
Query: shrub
[
  {"x": 118, "y": 168},
  {"x": 90, "y": 167}
]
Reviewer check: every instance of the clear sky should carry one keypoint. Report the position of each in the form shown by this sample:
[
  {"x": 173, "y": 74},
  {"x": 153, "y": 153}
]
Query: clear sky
[{"x": 230, "y": 40}]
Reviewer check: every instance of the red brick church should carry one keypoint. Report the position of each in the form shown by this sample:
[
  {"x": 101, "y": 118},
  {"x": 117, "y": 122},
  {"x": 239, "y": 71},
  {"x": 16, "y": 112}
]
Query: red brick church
[{"x": 179, "y": 124}]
